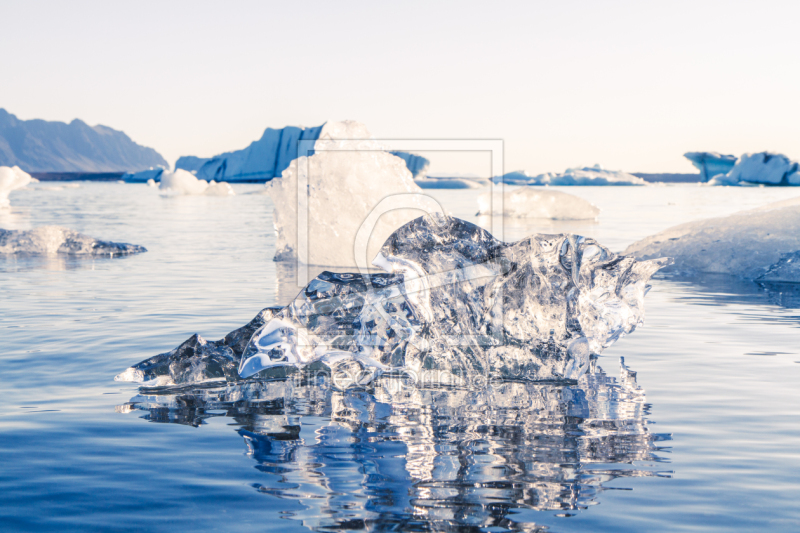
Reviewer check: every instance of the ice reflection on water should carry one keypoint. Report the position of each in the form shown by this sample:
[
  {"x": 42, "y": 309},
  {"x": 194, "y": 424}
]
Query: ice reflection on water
[{"x": 430, "y": 458}]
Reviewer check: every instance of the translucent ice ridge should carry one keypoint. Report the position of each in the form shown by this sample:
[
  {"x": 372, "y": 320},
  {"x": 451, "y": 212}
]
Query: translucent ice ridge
[
  {"x": 759, "y": 244},
  {"x": 595, "y": 175},
  {"x": 51, "y": 240},
  {"x": 455, "y": 303},
  {"x": 532, "y": 202},
  {"x": 11, "y": 178}
]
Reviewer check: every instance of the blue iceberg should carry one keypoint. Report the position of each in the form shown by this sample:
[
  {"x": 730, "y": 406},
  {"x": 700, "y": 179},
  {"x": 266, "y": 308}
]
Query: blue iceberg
[{"x": 711, "y": 164}]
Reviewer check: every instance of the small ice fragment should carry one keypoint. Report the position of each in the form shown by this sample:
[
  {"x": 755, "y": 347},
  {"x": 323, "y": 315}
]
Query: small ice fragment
[{"x": 532, "y": 202}]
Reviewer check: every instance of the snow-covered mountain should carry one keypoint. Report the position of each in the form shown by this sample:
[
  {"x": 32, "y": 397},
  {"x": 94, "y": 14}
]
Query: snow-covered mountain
[{"x": 43, "y": 146}]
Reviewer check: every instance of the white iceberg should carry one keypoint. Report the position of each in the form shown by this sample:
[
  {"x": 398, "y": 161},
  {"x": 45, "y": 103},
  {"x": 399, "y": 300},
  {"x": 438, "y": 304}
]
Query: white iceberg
[
  {"x": 182, "y": 182},
  {"x": 595, "y": 175},
  {"x": 347, "y": 177},
  {"x": 11, "y": 178},
  {"x": 52, "y": 240},
  {"x": 765, "y": 168},
  {"x": 760, "y": 244},
  {"x": 711, "y": 164},
  {"x": 530, "y": 202}
]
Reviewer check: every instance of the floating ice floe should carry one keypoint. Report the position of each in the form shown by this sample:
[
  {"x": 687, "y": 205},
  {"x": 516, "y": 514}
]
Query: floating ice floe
[
  {"x": 348, "y": 176},
  {"x": 763, "y": 168},
  {"x": 454, "y": 303},
  {"x": 11, "y": 178},
  {"x": 450, "y": 183},
  {"x": 711, "y": 164},
  {"x": 595, "y": 175},
  {"x": 182, "y": 182},
  {"x": 760, "y": 244},
  {"x": 51, "y": 240},
  {"x": 531, "y": 202}
]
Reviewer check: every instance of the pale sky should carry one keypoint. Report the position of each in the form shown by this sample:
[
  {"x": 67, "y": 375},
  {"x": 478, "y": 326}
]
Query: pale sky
[{"x": 628, "y": 85}]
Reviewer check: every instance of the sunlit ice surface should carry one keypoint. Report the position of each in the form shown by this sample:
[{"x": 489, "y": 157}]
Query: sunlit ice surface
[{"x": 709, "y": 441}]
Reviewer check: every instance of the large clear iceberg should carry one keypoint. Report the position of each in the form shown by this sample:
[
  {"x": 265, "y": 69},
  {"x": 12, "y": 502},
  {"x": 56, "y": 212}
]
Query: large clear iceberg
[
  {"x": 11, "y": 178},
  {"x": 182, "y": 182},
  {"x": 711, "y": 164},
  {"x": 348, "y": 176},
  {"x": 532, "y": 202},
  {"x": 760, "y": 244},
  {"x": 765, "y": 168},
  {"x": 454, "y": 303},
  {"x": 51, "y": 240},
  {"x": 595, "y": 175}
]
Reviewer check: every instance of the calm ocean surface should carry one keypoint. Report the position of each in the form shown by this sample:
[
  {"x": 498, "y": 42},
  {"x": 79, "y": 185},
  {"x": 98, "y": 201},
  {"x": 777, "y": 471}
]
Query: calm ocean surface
[{"x": 706, "y": 437}]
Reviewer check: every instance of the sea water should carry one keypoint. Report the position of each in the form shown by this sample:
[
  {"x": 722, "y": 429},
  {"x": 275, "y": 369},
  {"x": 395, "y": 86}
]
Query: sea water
[{"x": 718, "y": 362}]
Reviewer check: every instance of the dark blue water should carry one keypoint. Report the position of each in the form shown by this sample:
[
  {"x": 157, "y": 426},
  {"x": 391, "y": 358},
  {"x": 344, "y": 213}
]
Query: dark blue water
[{"x": 704, "y": 437}]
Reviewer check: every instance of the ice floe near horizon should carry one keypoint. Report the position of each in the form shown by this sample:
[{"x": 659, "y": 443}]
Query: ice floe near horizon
[
  {"x": 532, "y": 202},
  {"x": 450, "y": 183},
  {"x": 11, "y": 179},
  {"x": 595, "y": 175},
  {"x": 182, "y": 182},
  {"x": 711, "y": 164},
  {"x": 763, "y": 168},
  {"x": 758, "y": 244},
  {"x": 52, "y": 240},
  {"x": 454, "y": 303},
  {"x": 347, "y": 177},
  {"x": 267, "y": 158}
]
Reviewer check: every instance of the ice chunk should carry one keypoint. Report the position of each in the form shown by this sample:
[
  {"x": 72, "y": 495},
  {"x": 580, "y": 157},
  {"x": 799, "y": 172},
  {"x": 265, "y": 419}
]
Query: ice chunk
[
  {"x": 711, "y": 164},
  {"x": 531, "y": 202},
  {"x": 751, "y": 244},
  {"x": 182, "y": 182},
  {"x": 574, "y": 176},
  {"x": 52, "y": 240},
  {"x": 11, "y": 178},
  {"x": 767, "y": 168},
  {"x": 416, "y": 164},
  {"x": 347, "y": 177},
  {"x": 197, "y": 360},
  {"x": 455, "y": 303}
]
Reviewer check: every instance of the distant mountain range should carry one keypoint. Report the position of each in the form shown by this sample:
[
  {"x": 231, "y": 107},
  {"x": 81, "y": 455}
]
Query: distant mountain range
[{"x": 42, "y": 146}]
